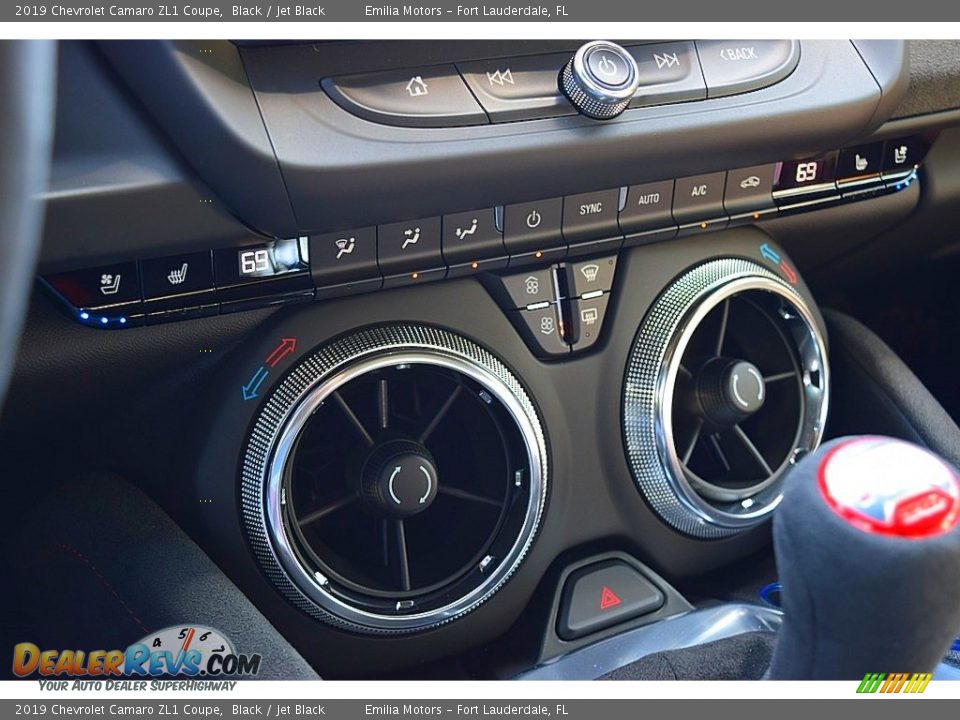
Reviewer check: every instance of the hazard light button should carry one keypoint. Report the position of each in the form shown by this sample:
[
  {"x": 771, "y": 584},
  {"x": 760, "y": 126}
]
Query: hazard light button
[{"x": 602, "y": 595}]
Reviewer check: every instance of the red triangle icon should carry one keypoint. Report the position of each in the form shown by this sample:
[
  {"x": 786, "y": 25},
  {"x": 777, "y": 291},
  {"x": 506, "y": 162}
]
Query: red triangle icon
[{"x": 608, "y": 599}]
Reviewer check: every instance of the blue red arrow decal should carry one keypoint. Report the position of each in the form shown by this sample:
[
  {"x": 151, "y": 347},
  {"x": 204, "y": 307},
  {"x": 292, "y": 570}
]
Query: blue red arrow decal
[{"x": 253, "y": 385}]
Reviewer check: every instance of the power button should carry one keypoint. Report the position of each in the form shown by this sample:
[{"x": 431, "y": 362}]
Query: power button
[
  {"x": 533, "y": 226},
  {"x": 608, "y": 67}
]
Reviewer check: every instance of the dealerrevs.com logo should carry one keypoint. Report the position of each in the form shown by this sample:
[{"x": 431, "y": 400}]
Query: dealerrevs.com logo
[{"x": 186, "y": 651}]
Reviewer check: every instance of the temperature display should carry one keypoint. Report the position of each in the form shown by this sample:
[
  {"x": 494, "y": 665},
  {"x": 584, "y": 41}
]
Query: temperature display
[
  {"x": 275, "y": 258},
  {"x": 256, "y": 262},
  {"x": 793, "y": 174}
]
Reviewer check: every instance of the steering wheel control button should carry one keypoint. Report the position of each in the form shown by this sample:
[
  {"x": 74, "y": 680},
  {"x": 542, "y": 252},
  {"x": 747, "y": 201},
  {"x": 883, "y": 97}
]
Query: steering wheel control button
[
  {"x": 668, "y": 73},
  {"x": 586, "y": 320},
  {"x": 600, "y": 79},
  {"x": 590, "y": 277},
  {"x": 471, "y": 237},
  {"x": 178, "y": 281},
  {"x": 542, "y": 328},
  {"x": 519, "y": 88},
  {"x": 534, "y": 287},
  {"x": 591, "y": 217},
  {"x": 890, "y": 487},
  {"x": 345, "y": 262},
  {"x": 399, "y": 479},
  {"x": 407, "y": 251},
  {"x": 532, "y": 227},
  {"x": 698, "y": 202},
  {"x": 416, "y": 97},
  {"x": 100, "y": 287},
  {"x": 648, "y": 209},
  {"x": 749, "y": 190},
  {"x": 731, "y": 67},
  {"x": 599, "y": 596}
]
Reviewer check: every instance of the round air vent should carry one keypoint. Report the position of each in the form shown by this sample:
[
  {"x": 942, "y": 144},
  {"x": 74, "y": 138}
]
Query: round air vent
[
  {"x": 726, "y": 387},
  {"x": 394, "y": 480}
]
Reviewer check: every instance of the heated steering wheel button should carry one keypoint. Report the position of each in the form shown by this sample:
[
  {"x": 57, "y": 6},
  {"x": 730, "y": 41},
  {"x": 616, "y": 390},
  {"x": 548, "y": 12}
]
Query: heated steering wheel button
[{"x": 602, "y": 595}]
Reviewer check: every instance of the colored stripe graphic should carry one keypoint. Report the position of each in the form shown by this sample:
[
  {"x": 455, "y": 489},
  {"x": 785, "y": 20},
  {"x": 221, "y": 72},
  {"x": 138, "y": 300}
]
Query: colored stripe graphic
[{"x": 893, "y": 683}]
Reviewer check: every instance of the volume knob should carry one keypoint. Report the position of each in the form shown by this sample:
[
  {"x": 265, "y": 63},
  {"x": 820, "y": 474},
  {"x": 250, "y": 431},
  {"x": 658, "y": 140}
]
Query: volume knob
[{"x": 600, "y": 79}]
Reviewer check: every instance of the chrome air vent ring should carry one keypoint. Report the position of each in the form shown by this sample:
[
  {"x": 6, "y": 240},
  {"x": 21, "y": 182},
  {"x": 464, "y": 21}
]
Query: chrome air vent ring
[
  {"x": 726, "y": 386},
  {"x": 394, "y": 480}
]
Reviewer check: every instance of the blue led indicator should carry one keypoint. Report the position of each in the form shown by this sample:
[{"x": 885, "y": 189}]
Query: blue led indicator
[
  {"x": 104, "y": 321},
  {"x": 84, "y": 316}
]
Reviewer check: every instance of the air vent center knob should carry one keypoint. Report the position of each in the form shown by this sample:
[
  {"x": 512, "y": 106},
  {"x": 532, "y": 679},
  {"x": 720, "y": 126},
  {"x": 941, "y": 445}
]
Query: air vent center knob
[
  {"x": 729, "y": 391},
  {"x": 399, "y": 478},
  {"x": 600, "y": 79}
]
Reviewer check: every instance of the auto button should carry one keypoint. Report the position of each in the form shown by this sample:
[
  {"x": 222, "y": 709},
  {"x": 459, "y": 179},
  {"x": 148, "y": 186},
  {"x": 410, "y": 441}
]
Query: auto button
[{"x": 422, "y": 97}]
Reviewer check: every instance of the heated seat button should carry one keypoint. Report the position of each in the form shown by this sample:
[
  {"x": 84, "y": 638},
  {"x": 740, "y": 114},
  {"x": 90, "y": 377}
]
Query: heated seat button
[
  {"x": 749, "y": 189},
  {"x": 177, "y": 275},
  {"x": 669, "y": 73},
  {"x": 424, "y": 97},
  {"x": 699, "y": 198},
  {"x": 602, "y": 595},
  {"x": 738, "y": 66},
  {"x": 542, "y": 328},
  {"x": 902, "y": 155},
  {"x": 520, "y": 88},
  {"x": 532, "y": 226},
  {"x": 109, "y": 285},
  {"x": 591, "y": 216},
  {"x": 860, "y": 163}
]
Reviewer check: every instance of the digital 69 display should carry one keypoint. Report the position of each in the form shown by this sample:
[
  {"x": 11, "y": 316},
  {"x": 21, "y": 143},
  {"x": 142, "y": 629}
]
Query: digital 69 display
[
  {"x": 261, "y": 262},
  {"x": 806, "y": 172}
]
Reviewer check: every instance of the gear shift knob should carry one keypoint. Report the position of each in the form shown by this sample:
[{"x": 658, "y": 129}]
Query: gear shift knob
[{"x": 867, "y": 541}]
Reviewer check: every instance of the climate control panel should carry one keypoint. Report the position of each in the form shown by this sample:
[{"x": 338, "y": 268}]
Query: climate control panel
[{"x": 528, "y": 240}]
